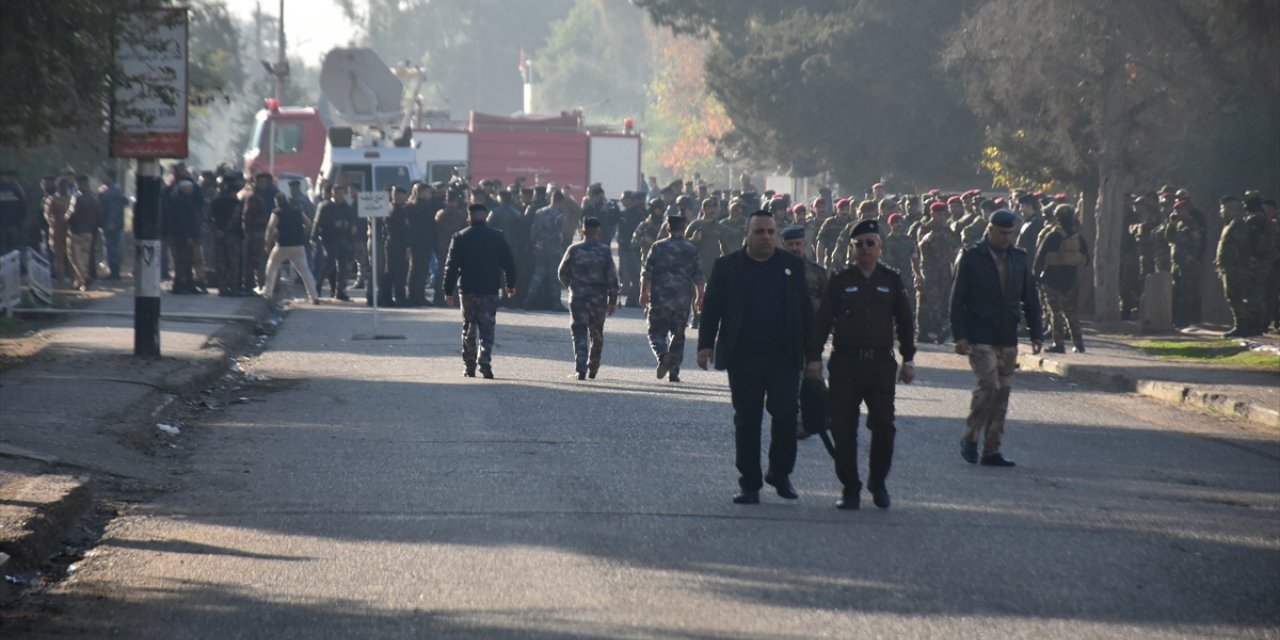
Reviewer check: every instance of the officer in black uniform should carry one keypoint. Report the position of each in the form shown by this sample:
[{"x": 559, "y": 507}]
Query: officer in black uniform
[{"x": 864, "y": 304}]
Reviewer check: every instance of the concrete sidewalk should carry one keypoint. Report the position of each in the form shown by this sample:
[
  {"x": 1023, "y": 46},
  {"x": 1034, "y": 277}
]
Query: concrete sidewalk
[
  {"x": 79, "y": 413},
  {"x": 1111, "y": 364}
]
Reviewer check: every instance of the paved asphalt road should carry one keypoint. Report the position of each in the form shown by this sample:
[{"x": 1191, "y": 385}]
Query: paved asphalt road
[{"x": 369, "y": 491}]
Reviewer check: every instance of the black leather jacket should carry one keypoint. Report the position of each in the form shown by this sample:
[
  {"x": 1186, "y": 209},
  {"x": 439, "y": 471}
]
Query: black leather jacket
[{"x": 984, "y": 313}]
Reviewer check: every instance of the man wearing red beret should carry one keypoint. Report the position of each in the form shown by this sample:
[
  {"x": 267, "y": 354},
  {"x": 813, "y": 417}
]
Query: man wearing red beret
[{"x": 938, "y": 247}]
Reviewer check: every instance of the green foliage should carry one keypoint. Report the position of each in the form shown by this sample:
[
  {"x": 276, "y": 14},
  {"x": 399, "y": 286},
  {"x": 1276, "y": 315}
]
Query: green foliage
[
  {"x": 852, "y": 87},
  {"x": 1218, "y": 352},
  {"x": 598, "y": 57}
]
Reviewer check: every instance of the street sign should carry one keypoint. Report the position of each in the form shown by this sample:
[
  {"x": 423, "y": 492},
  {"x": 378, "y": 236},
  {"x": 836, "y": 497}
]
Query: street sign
[
  {"x": 149, "y": 95},
  {"x": 373, "y": 204}
]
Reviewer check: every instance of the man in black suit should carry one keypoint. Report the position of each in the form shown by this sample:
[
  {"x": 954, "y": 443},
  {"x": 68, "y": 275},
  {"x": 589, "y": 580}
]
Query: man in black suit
[{"x": 756, "y": 321}]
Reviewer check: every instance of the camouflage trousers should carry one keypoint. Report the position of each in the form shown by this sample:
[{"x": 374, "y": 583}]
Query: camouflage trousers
[
  {"x": 588, "y": 314},
  {"x": 479, "y": 315},
  {"x": 666, "y": 327},
  {"x": 1245, "y": 295},
  {"x": 932, "y": 311},
  {"x": 1186, "y": 292},
  {"x": 1063, "y": 317}
]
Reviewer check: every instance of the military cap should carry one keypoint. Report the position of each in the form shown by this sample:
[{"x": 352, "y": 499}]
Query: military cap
[
  {"x": 819, "y": 200},
  {"x": 894, "y": 218},
  {"x": 937, "y": 206},
  {"x": 1003, "y": 218},
  {"x": 1028, "y": 198},
  {"x": 865, "y": 226},
  {"x": 676, "y": 221},
  {"x": 1167, "y": 190},
  {"x": 798, "y": 208},
  {"x": 878, "y": 185},
  {"x": 595, "y": 189},
  {"x": 935, "y": 192},
  {"x": 1182, "y": 194},
  {"x": 478, "y": 208},
  {"x": 842, "y": 202},
  {"x": 685, "y": 200},
  {"x": 988, "y": 206},
  {"x": 954, "y": 200},
  {"x": 591, "y": 222},
  {"x": 657, "y": 203},
  {"x": 793, "y": 232}
]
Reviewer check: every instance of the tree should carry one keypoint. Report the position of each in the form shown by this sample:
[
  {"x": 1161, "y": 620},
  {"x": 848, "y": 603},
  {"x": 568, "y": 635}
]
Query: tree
[
  {"x": 1105, "y": 95},
  {"x": 599, "y": 57},
  {"x": 851, "y": 87},
  {"x": 685, "y": 119}
]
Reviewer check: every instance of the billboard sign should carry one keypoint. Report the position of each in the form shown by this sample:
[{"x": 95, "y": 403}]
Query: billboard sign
[{"x": 149, "y": 92}]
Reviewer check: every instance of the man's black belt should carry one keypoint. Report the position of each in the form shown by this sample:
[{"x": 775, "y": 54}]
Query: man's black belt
[{"x": 863, "y": 354}]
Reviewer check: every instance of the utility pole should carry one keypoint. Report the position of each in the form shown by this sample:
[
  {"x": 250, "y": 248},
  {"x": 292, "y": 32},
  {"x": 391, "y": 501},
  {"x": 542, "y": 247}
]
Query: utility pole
[{"x": 281, "y": 69}]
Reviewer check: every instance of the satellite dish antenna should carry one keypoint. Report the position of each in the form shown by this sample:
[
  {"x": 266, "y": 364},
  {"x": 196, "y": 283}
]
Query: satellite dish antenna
[{"x": 360, "y": 87}]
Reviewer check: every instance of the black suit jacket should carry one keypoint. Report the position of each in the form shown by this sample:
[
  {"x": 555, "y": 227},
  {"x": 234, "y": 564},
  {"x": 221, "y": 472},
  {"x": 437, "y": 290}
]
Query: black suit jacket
[{"x": 722, "y": 308}]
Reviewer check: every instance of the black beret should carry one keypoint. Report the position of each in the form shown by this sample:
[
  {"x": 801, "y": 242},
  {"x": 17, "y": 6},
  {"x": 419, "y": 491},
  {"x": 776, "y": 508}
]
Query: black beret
[
  {"x": 1003, "y": 218},
  {"x": 865, "y": 226},
  {"x": 590, "y": 222},
  {"x": 793, "y": 232},
  {"x": 1028, "y": 198}
]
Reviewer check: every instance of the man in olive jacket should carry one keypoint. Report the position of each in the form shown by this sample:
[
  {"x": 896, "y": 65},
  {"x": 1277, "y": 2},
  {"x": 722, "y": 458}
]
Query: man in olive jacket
[
  {"x": 756, "y": 322},
  {"x": 992, "y": 288}
]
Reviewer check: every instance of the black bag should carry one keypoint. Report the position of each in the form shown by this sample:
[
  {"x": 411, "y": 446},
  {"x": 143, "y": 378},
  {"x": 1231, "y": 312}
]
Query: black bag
[{"x": 813, "y": 406}]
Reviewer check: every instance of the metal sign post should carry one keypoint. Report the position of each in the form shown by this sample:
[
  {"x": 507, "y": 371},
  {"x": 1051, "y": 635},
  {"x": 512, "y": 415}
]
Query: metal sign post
[
  {"x": 149, "y": 122},
  {"x": 374, "y": 205}
]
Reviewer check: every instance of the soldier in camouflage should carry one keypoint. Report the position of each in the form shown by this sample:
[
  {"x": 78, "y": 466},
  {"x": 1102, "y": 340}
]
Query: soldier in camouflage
[
  {"x": 704, "y": 233},
  {"x": 628, "y": 253},
  {"x": 829, "y": 232},
  {"x": 815, "y": 277},
  {"x": 1185, "y": 233},
  {"x": 902, "y": 254},
  {"x": 938, "y": 247},
  {"x": 733, "y": 229},
  {"x": 672, "y": 279},
  {"x": 867, "y": 210},
  {"x": 587, "y": 271},
  {"x": 647, "y": 231},
  {"x": 1238, "y": 261}
]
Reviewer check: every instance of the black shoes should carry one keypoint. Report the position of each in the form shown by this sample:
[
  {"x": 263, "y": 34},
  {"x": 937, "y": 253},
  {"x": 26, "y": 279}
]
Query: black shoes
[
  {"x": 486, "y": 371},
  {"x": 664, "y": 365},
  {"x": 1057, "y": 348},
  {"x": 969, "y": 451},
  {"x": 997, "y": 460},
  {"x": 849, "y": 502},
  {"x": 469, "y": 372},
  {"x": 747, "y": 497},
  {"x": 591, "y": 372},
  {"x": 1079, "y": 348},
  {"x": 674, "y": 376},
  {"x": 880, "y": 496},
  {"x": 782, "y": 485},
  {"x": 582, "y": 373}
]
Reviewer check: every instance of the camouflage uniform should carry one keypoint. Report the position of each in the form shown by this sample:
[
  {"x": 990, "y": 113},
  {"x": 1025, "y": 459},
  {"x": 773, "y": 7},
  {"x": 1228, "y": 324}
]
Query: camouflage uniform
[
  {"x": 646, "y": 234},
  {"x": 1059, "y": 256},
  {"x": 1185, "y": 236},
  {"x": 449, "y": 220},
  {"x": 828, "y": 235},
  {"x": 811, "y": 228},
  {"x": 546, "y": 235},
  {"x": 938, "y": 247},
  {"x": 1238, "y": 261},
  {"x": 673, "y": 270},
  {"x": 839, "y": 259},
  {"x": 900, "y": 252},
  {"x": 479, "y": 317},
  {"x": 815, "y": 280},
  {"x": 587, "y": 270},
  {"x": 733, "y": 232},
  {"x": 704, "y": 233}
]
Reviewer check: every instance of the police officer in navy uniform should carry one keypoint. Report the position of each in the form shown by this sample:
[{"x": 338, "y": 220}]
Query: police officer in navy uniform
[{"x": 864, "y": 305}]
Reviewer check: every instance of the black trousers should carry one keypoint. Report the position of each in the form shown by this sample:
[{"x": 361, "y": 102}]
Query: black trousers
[
  {"x": 756, "y": 384},
  {"x": 419, "y": 269},
  {"x": 854, "y": 382}
]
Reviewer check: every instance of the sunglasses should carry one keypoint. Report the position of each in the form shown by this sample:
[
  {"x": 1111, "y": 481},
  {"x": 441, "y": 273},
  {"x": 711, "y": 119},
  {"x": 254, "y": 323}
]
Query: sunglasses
[{"x": 864, "y": 243}]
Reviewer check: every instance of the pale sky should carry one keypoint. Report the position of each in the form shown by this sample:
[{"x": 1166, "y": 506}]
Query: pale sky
[{"x": 312, "y": 27}]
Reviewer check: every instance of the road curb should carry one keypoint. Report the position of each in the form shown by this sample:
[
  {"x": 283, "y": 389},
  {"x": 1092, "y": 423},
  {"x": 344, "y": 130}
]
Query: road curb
[
  {"x": 1174, "y": 393},
  {"x": 56, "y": 502}
]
